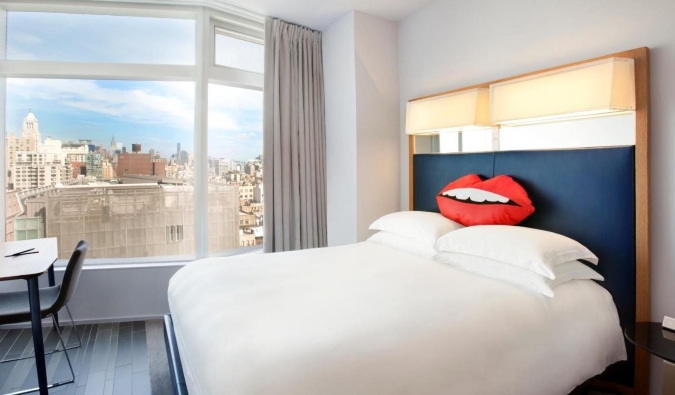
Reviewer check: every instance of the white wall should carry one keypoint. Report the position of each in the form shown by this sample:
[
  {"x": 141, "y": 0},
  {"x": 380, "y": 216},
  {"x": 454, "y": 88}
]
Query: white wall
[
  {"x": 376, "y": 42},
  {"x": 360, "y": 55},
  {"x": 452, "y": 43},
  {"x": 339, "y": 67},
  {"x": 115, "y": 294}
]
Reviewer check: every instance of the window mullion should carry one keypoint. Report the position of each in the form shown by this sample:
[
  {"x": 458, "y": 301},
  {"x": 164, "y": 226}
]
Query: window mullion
[
  {"x": 201, "y": 135},
  {"x": 80, "y": 70},
  {"x": 3, "y": 107}
]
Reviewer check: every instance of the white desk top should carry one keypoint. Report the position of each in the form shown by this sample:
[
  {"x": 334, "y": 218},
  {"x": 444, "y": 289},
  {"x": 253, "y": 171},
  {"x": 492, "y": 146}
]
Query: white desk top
[{"x": 26, "y": 266}]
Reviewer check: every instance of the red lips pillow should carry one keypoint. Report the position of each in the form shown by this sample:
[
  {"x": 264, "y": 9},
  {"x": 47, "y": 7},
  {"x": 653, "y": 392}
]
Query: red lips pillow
[{"x": 497, "y": 201}]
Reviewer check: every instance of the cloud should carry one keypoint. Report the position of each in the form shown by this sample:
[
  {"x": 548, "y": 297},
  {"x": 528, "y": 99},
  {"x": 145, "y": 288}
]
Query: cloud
[
  {"x": 158, "y": 103},
  {"x": 234, "y": 109},
  {"x": 28, "y": 39}
]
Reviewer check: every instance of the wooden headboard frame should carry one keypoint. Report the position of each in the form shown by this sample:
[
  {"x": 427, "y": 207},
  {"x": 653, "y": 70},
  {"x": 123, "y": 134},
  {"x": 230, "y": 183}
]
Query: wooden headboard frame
[{"x": 642, "y": 274}]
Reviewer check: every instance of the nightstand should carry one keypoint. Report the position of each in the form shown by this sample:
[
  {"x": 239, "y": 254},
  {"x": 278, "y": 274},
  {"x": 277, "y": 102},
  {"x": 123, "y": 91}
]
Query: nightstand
[{"x": 657, "y": 341}]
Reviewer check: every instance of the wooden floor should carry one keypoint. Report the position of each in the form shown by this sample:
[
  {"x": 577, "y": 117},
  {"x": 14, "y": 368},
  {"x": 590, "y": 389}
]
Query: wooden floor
[{"x": 113, "y": 359}]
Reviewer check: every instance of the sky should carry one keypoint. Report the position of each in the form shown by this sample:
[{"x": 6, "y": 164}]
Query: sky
[{"x": 158, "y": 115}]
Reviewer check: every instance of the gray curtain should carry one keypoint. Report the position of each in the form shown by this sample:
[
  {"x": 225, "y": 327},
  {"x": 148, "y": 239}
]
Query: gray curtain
[{"x": 294, "y": 135}]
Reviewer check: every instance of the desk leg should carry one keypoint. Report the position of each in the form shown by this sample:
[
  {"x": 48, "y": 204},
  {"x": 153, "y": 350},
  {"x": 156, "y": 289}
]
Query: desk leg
[{"x": 36, "y": 322}]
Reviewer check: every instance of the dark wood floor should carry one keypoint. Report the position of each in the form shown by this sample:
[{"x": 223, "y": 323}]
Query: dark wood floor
[{"x": 113, "y": 360}]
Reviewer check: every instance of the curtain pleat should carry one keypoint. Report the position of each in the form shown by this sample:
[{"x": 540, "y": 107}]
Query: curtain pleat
[{"x": 294, "y": 152}]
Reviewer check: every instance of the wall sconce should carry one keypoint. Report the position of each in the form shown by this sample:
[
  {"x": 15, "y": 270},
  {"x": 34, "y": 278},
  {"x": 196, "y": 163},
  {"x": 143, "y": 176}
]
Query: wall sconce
[{"x": 597, "y": 88}]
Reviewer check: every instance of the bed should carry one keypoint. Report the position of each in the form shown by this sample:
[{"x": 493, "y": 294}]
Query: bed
[{"x": 365, "y": 319}]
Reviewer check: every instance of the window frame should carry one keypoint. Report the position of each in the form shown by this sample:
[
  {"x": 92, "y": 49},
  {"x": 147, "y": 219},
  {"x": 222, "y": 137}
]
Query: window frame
[{"x": 202, "y": 73}]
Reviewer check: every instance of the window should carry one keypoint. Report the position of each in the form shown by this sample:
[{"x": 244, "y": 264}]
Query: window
[
  {"x": 235, "y": 166},
  {"x": 121, "y": 196},
  {"x": 118, "y": 160},
  {"x": 239, "y": 51},
  {"x": 99, "y": 38}
]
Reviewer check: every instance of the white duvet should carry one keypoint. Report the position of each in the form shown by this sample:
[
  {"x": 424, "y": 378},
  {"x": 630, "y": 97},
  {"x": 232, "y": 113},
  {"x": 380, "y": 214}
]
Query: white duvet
[{"x": 367, "y": 319}]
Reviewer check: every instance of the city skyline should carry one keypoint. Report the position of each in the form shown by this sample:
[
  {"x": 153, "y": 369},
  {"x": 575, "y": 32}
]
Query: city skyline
[{"x": 155, "y": 114}]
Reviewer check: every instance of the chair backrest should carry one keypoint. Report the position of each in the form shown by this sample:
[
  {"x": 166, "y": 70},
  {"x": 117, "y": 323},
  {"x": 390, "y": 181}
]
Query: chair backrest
[{"x": 72, "y": 275}]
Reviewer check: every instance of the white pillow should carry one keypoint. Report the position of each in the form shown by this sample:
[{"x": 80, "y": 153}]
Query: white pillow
[
  {"x": 419, "y": 225},
  {"x": 532, "y": 249},
  {"x": 564, "y": 272},
  {"x": 402, "y": 243}
]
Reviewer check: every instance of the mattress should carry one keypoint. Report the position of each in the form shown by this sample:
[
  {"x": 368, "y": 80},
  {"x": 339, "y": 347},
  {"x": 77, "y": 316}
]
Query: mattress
[{"x": 367, "y": 319}]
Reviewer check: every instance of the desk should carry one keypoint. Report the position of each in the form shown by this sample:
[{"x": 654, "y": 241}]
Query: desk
[{"x": 29, "y": 268}]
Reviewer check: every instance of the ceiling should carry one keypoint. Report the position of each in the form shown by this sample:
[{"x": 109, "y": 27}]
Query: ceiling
[
  {"x": 319, "y": 14},
  {"x": 315, "y": 14}
]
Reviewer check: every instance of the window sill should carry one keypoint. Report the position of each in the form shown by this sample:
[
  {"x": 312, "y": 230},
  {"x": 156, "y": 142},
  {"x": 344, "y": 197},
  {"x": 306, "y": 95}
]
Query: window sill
[{"x": 154, "y": 262}]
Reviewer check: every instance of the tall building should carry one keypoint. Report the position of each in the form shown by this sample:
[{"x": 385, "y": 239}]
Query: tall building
[
  {"x": 27, "y": 142},
  {"x": 14, "y": 144},
  {"x": 113, "y": 145},
  {"x": 39, "y": 169},
  {"x": 31, "y": 126},
  {"x": 94, "y": 164},
  {"x": 177, "y": 150}
]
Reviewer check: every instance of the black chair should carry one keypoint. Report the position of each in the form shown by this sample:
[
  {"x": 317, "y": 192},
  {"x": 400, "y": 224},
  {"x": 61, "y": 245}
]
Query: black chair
[{"x": 15, "y": 307}]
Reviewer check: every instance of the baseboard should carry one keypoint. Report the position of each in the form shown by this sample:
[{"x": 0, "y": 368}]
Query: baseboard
[{"x": 65, "y": 321}]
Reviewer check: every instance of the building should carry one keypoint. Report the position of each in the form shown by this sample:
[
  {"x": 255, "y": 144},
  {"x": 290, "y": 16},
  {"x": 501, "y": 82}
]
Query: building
[
  {"x": 134, "y": 163},
  {"x": 183, "y": 157},
  {"x": 246, "y": 238},
  {"x": 137, "y": 220},
  {"x": 94, "y": 164},
  {"x": 107, "y": 170},
  {"x": 12, "y": 208},
  {"x": 247, "y": 220},
  {"x": 37, "y": 170},
  {"x": 28, "y": 142},
  {"x": 158, "y": 167},
  {"x": 246, "y": 192},
  {"x": 258, "y": 195},
  {"x": 14, "y": 144},
  {"x": 75, "y": 151},
  {"x": 224, "y": 166},
  {"x": 31, "y": 126},
  {"x": 79, "y": 168}
]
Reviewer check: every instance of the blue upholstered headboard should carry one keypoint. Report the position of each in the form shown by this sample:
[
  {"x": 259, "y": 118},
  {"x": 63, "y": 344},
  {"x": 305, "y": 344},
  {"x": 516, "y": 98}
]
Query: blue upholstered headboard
[{"x": 585, "y": 194}]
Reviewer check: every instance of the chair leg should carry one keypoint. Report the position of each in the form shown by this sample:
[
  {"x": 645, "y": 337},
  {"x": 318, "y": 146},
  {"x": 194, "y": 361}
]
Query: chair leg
[
  {"x": 79, "y": 339},
  {"x": 55, "y": 324},
  {"x": 63, "y": 344},
  {"x": 70, "y": 365},
  {"x": 77, "y": 333}
]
